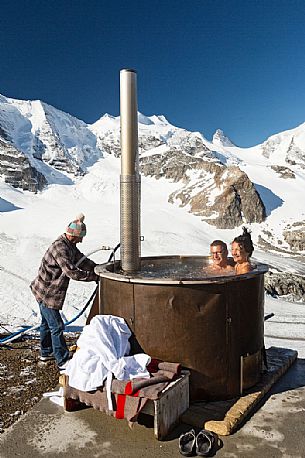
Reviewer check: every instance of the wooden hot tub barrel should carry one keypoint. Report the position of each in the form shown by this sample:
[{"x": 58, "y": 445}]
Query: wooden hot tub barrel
[{"x": 213, "y": 326}]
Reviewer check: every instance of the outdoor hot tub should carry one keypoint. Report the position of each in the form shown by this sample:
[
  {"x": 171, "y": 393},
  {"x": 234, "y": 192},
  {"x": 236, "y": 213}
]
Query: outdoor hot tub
[{"x": 212, "y": 325}]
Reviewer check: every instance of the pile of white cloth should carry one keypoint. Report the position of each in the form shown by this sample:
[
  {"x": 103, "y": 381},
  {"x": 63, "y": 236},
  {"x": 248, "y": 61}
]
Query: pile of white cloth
[{"x": 103, "y": 346}]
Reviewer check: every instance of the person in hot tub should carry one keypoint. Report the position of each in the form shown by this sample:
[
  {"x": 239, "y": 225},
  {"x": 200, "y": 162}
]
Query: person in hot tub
[
  {"x": 242, "y": 249},
  {"x": 219, "y": 256}
]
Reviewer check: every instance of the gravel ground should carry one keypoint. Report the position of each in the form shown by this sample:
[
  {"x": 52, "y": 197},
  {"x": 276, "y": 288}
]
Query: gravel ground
[{"x": 23, "y": 378}]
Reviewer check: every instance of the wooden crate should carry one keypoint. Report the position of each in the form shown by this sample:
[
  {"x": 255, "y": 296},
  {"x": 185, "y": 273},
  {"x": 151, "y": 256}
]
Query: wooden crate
[{"x": 167, "y": 410}]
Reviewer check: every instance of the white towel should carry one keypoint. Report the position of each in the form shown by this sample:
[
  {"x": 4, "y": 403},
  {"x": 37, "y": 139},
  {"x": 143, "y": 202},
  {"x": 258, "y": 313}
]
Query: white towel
[{"x": 103, "y": 345}]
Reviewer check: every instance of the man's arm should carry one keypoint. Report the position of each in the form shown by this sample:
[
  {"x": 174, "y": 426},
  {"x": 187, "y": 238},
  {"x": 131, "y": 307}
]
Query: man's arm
[
  {"x": 62, "y": 257},
  {"x": 86, "y": 264}
]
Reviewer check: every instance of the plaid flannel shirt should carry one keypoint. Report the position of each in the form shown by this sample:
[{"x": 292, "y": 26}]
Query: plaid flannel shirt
[{"x": 56, "y": 268}]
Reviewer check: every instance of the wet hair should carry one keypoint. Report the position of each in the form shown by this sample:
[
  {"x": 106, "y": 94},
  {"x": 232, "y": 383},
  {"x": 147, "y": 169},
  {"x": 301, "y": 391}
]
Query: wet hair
[
  {"x": 245, "y": 241},
  {"x": 220, "y": 243}
]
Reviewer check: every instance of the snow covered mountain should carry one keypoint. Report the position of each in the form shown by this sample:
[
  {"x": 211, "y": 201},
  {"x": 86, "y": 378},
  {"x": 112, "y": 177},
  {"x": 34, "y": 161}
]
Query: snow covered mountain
[
  {"x": 193, "y": 191},
  {"x": 219, "y": 138},
  {"x": 51, "y": 142},
  {"x": 224, "y": 185},
  {"x": 55, "y": 148}
]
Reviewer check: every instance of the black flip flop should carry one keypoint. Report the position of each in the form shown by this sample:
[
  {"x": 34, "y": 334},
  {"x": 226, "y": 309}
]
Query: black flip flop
[
  {"x": 187, "y": 443},
  {"x": 205, "y": 442}
]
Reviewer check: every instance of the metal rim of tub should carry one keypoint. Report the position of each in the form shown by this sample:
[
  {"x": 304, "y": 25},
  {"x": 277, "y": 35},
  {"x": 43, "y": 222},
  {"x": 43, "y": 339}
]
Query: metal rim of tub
[{"x": 104, "y": 270}]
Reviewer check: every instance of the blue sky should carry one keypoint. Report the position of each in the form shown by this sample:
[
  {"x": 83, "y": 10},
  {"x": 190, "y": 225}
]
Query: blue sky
[{"x": 204, "y": 64}]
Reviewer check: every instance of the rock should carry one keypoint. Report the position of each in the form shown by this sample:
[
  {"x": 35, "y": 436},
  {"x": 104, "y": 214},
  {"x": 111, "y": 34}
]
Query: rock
[
  {"x": 17, "y": 170},
  {"x": 222, "y": 196},
  {"x": 148, "y": 142},
  {"x": 240, "y": 202},
  {"x": 294, "y": 235},
  {"x": 285, "y": 284},
  {"x": 295, "y": 155},
  {"x": 284, "y": 172}
]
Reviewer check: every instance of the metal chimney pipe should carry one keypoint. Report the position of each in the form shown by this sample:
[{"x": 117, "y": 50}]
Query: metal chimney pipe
[{"x": 130, "y": 180}]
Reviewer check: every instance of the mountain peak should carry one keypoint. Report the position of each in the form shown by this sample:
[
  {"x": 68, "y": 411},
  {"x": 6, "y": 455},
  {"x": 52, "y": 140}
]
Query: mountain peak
[
  {"x": 219, "y": 138},
  {"x": 157, "y": 120},
  {"x": 142, "y": 119},
  {"x": 107, "y": 115}
]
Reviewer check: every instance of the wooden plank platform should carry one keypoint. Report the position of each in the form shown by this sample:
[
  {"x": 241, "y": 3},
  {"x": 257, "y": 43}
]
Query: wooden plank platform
[
  {"x": 173, "y": 401},
  {"x": 224, "y": 417}
]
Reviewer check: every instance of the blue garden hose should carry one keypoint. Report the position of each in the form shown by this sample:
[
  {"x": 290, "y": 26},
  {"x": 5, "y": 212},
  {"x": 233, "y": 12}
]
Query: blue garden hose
[{"x": 26, "y": 329}]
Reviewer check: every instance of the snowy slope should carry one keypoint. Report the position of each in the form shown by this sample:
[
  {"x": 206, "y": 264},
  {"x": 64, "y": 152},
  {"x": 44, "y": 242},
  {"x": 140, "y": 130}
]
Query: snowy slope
[
  {"x": 37, "y": 220},
  {"x": 68, "y": 147},
  {"x": 30, "y": 222}
]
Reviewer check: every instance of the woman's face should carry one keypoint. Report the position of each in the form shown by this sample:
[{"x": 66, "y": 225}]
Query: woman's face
[{"x": 238, "y": 252}]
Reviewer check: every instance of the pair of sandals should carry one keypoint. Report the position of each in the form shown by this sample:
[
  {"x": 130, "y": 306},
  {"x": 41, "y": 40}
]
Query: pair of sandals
[{"x": 203, "y": 444}]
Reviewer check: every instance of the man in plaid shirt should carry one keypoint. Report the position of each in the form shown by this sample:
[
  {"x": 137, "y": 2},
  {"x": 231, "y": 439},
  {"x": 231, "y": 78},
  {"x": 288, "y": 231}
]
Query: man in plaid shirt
[{"x": 50, "y": 286}]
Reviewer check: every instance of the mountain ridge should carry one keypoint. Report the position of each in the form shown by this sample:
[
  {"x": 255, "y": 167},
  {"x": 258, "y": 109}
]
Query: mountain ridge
[{"x": 223, "y": 184}]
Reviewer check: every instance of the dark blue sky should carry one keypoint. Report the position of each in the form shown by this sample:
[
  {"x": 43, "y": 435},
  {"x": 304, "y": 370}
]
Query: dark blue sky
[{"x": 204, "y": 64}]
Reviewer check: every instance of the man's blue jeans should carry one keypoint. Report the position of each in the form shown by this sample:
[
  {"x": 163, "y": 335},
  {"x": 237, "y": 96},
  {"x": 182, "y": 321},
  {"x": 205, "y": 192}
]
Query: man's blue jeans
[{"x": 51, "y": 334}]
